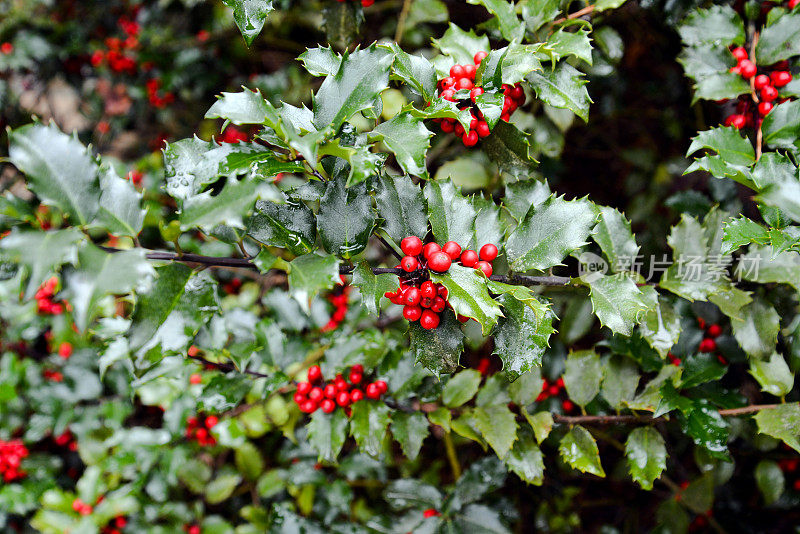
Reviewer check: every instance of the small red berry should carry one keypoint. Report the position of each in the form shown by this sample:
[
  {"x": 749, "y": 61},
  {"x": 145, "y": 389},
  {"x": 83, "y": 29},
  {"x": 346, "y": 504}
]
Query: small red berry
[
  {"x": 430, "y": 512},
  {"x": 194, "y": 529},
  {"x": 327, "y": 405},
  {"x": 780, "y": 78},
  {"x": 411, "y": 245},
  {"x": 299, "y": 399},
  {"x": 714, "y": 330},
  {"x": 316, "y": 394},
  {"x": 470, "y": 139},
  {"x": 195, "y": 379},
  {"x": 448, "y": 126},
  {"x": 412, "y": 313},
  {"x": 708, "y": 345},
  {"x": 479, "y": 57},
  {"x": 739, "y": 53},
  {"x": 769, "y": 93},
  {"x": 486, "y": 267},
  {"x": 308, "y": 406},
  {"x": 747, "y": 68},
  {"x": 409, "y": 263},
  {"x": 304, "y": 388},
  {"x": 412, "y": 296},
  {"x": 438, "y": 305},
  {"x": 314, "y": 373},
  {"x": 373, "y": 391},
  {"x": 65, "y": 350},
  {"x": 357, "y": 368},
  {"x": 341, "y": 385},
  {"x": 211, "y": 421},
  {"x": 457, "y": 71},
  {"x": 470, "y": 70},
  {"x": 567, "y": 405},
  {"x": 488, "y": 252},
  {"x": 356, "y": 395},
  {"x": 452, "y": 249},
  {"x": 761, "y": 81},
  {"x": 469, "y": 258},
  {"x": 355, "y": 378},
  {"x": 439, "y": 262},
  {"x": 329, "y": 391},
  {"x": 343, "y": 399},
  {"x": 192, "y": 352},
  {"x": 482, "y": 129},
  {"x": 383, "y": 387},
  {"x": 475, "y": 92},
  {"x": 442, "y": 291},
  {"x": 449, "y": 94},
  {"x": 427, "y": 289},
  {"x": 737, "y": 121},
  {"x": 429, "y": 249},
  {"x": 429, "y": 320}
]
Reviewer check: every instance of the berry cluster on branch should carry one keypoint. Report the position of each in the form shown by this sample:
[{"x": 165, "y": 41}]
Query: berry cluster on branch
[
  {"x": 11, "y": 455},
  {"x": 316, "y": 394},
  {"x": 201, "y": 433},
  {"x": 752, "y": 108}
]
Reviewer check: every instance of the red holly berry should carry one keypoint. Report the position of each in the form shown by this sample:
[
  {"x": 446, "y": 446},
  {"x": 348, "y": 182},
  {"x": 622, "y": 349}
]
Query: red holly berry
[
  {"x": 299, "y": 399},
  {"x": 479, "y": 57},
  {"x": 736, "y": 120},
  {"x": 469, "y": 258},
  {"x": 438, "y": 305},
  {"x": 708, "y": 345},
  {"x": 341, "y": 384},
  {"x": 411, "y": 245},
  {"x": 764, "y": 108},
  {"x": 739, "y": 53},
  {"x": 409, "y": 263},
  {"x": 464, "y": 83},
  {"x": 343, "y": 398},
  {"x": 357, "y": 368},
  {"x": 65, "y": 350},
  {"x": 194, "y": 529},
  {"x": 429, "y": 249},
  {"x": 412, "y": 296},
  {"x": 356, "y": 395},
  {"x": 475, "y": 92},
  {"x": 431, "y": 512},
  {"x": 470, "y": 139},
  {"x": 769, "y": 93},
  {"x": 211, "y": 421},
  {"x": 314, "y": 373},
  {"x": 429, "y": 320},
  {"x": 327, "y": 405},
  {"x": 355, "y": 378},
  {"x": 486, "y": 267},
  {"x": 427, "y": 290},
  {"x": 329, "y": 391},
  {"x": 308, "y": 406},
  {"x": 780, "y": 78},
  {"x": 452, "y": 249},
  {"x": 747, "y": 68},
  {"x": 714, "y": 330},
  {"x": 457, "y": 71},
  {"x": 383, "y": 387},
  {"x": 192, "y": 352},
  {"x": 482, "y": 129},
  {"x": 442, "y": 291},
  {"x": 412, "y": 313},
  {"x": 373, "y": 391},
  {"x": 567, "y": 405},
  {"x": 439, "y": 262},
  {"x": 303, "y": 388},
  {"x": 470, "y": 71},
  {"x": 316, "y": 394},
  {"x": 488, "y": 252},
  {"x": 761, "y": 81}
]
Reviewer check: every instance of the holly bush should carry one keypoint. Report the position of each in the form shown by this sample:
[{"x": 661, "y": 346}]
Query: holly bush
[{"x": 410, "y": 277}]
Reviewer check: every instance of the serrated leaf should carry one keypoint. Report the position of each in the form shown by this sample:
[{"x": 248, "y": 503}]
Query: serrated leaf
[
  {"x": 620, "y": 380},
  {"x": 439, "y": 349},
  {"x": 756, "y": 328},
  {"x": 498, "y": 426},
  {"x": 510, "y": 26},
  {"x": 743, "y": 231},
  {"x": 770, "y": 480},
  {"x": 120, "y": 209},
  {"x": 410, "y": 429},
  {"x": 250, "y": 16},
  {"x": 508, "y": 65},
  {"x": 579, "y": 450},
  {"x": 660, "y": 325},
  {"x": 699, "y": 369},
  {"x": 409, "y": 140},
  {"x": 526, "y": 459},
  {"x": 541, "y": 422},
  {"x": 613, "y": 234},
  {"x": 291, "y": 225},
  {"x": 522, "y": 335},
  {"x": 582, "y": 375},
  {"x": 341, "y": 21},
  {"x": 762, "y": 266},
  {"x": 781, "y": 127},
  {"x": 59, "y": 169},
  {"x": 228, "y": 207},
  {"x": 452, "y": 216},
  {"x": 646, "y": 454},
  {"x": 102, "y": 273},
  {"x": 244, "y": 107},
  {"x": 521, "y": 196},
  {"x": 549, "y": 232},
  {"x": 345, "y": 218},
  {"x": 727, "y": 142},
  {"x": 461, "y": 46},
  {"x": 406, "y": 493},
  {"x": 780, "y": 38},
  {"x": 575, "y": 43},
  {"x": 401, "y": 205},
  {"x": 562, "y": 87},
  {"x": 42, "y": 253},
  {"x": 361, "y": 77},
  {"x": 441, "y": 416},
  {"x": 310, "y": 274},
  {"x": 510, "y": 149},
  {"x": 781, "y": 422},
  {"x": 321, "y": 61},
  {"x": 372, "y": 286},
  {"x": 461, "y": 387},
  {"x": 718, "y": 24},
  {"x": 707, "y": 428},
  {"x": 536, "y": 13},
  {"x": 617, "y": 302},
  {"x": 327, "y": 434},
  {"x": 468, "y": 295},
  {"x": 368, "y": 424},
  {"x": 773, "y": 375},
  {"x": 415, "y": 71},
  {"x": 526, "y": 387}
]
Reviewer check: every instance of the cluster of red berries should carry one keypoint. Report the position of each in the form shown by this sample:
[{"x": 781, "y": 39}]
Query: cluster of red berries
[
  {"x": 232, "y": 287},
  {"x": 135, "y": 177},
  {"x": 555, "y": 389},
  {"x": 52, "y": 376},
  {"x": 234, "y": 135},
  {"x": 462, "y": 78},
  {"x": 364, "y": 3},
  {"x": 11, "y": 455},
  {"x": 6, "y": 48},
  {"x": 156, "y": 97},
  {"x": 423, "y": 300},
  {"x": 790, "y": 466},
  {"x": 116, "y": 527},
  {"x": 316, "y": 394},
  {"x": 191, "y": 529},
  {"x": 45, "y": 304},
  {"x": 66, "y": 439},
  {"x": 708, "y": 344},
  {"x": 119, "y": 52},
  {"x": 338, "y": 298},
  {"x": 750, "y": 109},
  {"x": 82, "y": 507},
  {"x": 200, "y": 433}
]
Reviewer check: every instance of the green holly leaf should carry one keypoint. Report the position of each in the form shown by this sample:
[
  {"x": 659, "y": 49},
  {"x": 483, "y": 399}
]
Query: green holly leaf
[
  {"x": 613, "y": 234},
  {"x": 461, "y": 387},
  {"x": 572, "y": 43},
  {"x": 526, "y": 459},
  {"x": 345, "y": 218},
  {"x": 579, "y": 450},
  {"x": 707, "y": 65},
  {"x": 756, "y": 328},
  {"x": 327, "y": 433},
  {"x": 781, "y": 422},
  {"x": 410, "y": 430},
  {"x": 219, "y": 489},
  {"x": 401, "y": 205},
  {"x": 321, "y": 61},
  {"x": 120, "y": 209},
  {"x": 498, "y": 425},
  {"x": 409, "y": 140},
  {"x": 617, "y": 302},
  {"x": 441, "y": 416},
  {"x": 779, "y": 184},
  {"x": 521, "y": 196},
  {"x": 404, "y": 493},
  {"x": 707, "y": 428},
  {"x": 781, "y": 127},
  {"x": 228, "y": 207},
  {"x": 660, "y": 325},
  {"x": 522, "y": 335},
  {"x": 310, "y": 274},
  {"x": 461, "y": 46},
  {"x": 439, "y": 349},
  {"x": 718, "y": 24},
  {"x": 582, "y": 375},
  {"x": 510, "y": 26},
  {"x": 468, "y": 295},
  {"x": 773, "y": 375},
  {"x": 59, "y": 170},
  {"x": 361, "y": 78},
  {"x": 371, "y": 286},
  {"x": 508, "y": 65},
  {"x": 368, "y": 424},
  {"x": 172, "y": 310},
  {"x": 541, "y": 422},
  {"x": 728, "y": 143},
  {"x": 620, "y": 380},
  {"x": 762, "y": 266},
  {"x": 562, "y": 87},
  {"x": 244, "y": 107},
  {"x": 100, "y": 274},
  {"x": 510, "y": 149},
  {"x": 42, "y": 253},
  {"x": 526, "y": 387},
  {"x": 250, "y": 16},
  {"x": 743, "y": 231},
  {"x": 646, "y": 454},
  {"x": 549, "y": 232},
  {"x": 699, "y": 369},
  {"x": 770, "y": 480},
  {"x": 452, "y": 216},
  {"x": 415, "y": 71},
  {"x": 341, "y": 21},
  {"x": 780, "y": 37},
  {"x": 291, "y": 225}
]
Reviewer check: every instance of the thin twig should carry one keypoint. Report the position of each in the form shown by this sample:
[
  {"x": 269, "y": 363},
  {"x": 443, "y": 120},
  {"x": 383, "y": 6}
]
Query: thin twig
[
  {"x": 227, "y": 367},
  {"x": 401, "y": 21},
  {"x": 581, "y": 12}
]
